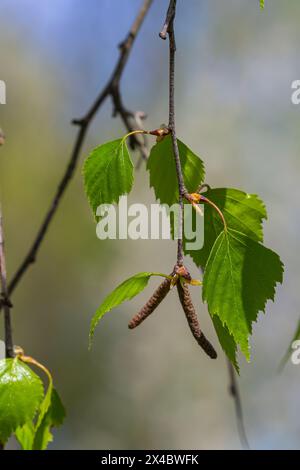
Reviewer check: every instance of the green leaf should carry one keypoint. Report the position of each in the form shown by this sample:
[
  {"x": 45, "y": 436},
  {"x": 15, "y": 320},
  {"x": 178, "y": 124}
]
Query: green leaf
[
  {"x": 37, "y": 437},
  {"x": 226, "y": 340},
  {"x": 161, "y": 166},
  {"x": 108, "y": 173},
  {"x": 262, "y": 4},
  {"x": 289, "y": 351},
  {"x": 243, "y": 212},
  {"x": 45, "y": 404},
  {"x": 125, "y": 291},
  {"x": 52, "y": 418},
  {"x": 240, "y": 276},
  {"x": 25, "y": 436},
  {"x": 21, "y": 392}
]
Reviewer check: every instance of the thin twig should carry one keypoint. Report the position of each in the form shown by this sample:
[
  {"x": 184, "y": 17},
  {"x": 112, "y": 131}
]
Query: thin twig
[
  {"x": 112, "y": 88},
  {"x": 139, "y": 117},
  {"x": 169, "y": 20},
  {"x": 169, "y": 28},
  {"x": 130, "y": 121},
  {"x": 235, "y": 393},
  {"x": 9, "y": 345},
  {"x": 9, "y": 349}
]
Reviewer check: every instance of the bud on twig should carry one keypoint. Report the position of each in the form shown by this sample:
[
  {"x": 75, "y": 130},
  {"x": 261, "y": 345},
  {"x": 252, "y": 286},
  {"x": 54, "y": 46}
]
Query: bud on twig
[
  {"x": 183, "y": 272},
  {"x": 158, "y": 296},
  {"x": 191, "y": 316},
  {"x": 160, "y": 133}
]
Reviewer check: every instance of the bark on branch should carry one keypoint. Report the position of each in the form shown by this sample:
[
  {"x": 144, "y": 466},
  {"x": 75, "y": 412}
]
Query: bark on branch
[{"x": 111, "y": 89}]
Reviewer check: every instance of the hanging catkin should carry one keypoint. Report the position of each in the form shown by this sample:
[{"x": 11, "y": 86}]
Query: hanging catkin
[
  {"x": 151, "y": 305},
  {"x": 191, "y": 315}
]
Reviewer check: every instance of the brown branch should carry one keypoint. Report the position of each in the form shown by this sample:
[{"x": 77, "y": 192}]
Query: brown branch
[
  {"x": 169, "y": 28},
  {"x": 235, "y": 393},
  {"x": 9, "y": 345},
  {"x": 131, "y": 120},
  {"x": 112, "y": 88},
  {"x": 169, "y": 19}
]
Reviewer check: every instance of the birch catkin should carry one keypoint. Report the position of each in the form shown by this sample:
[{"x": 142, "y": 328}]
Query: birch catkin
[
  {"x": 152, "y": 304},
  {"x": 191, "y": 315}
]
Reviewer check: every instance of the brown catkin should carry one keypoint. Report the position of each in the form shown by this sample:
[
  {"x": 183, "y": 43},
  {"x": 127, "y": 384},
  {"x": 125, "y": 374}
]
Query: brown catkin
[
  {"x": 157, "y": 297},
  {"x": 191, "y": 315}
]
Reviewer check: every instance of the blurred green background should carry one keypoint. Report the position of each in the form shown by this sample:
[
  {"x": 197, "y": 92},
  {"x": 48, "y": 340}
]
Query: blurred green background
[{"x": 151, "y": 388}]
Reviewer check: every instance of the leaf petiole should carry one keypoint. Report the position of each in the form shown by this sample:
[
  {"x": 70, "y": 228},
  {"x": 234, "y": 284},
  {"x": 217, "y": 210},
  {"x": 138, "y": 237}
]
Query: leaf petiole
[
  {"x": 159, "y": 133},
  {"x": 217, "y": 209},
  {"x": 138, "y": 131},
  {"x": 196, "y": 198},
  {"x": 30, "y": 360}
]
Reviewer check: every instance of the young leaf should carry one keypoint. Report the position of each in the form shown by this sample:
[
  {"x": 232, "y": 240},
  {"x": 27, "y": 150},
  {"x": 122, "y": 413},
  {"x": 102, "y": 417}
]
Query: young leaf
[
  {"x": 54, "y": 417},
  {"x": 108, "y": 173},
  {"x": 21, "y": 392},
  {"x": 37, "y": 437},
  {"x": 226, "y": 341},
  {"x": 25, "y": 436},
  {"x": 47, "y": 399},
  {"x": 262, "y": 4},
  {"x": 161, "y": 166},
  {"x": 240, "y": 276},
  {"x": 243, "y": 212},
  {"x": 125, "y": 291}
]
